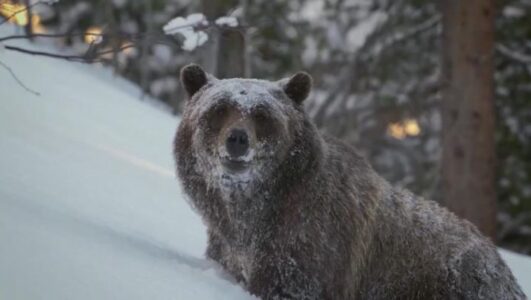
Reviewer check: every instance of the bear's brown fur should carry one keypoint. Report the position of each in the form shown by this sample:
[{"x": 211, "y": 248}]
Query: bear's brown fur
[{"x": 303, "y": 216}]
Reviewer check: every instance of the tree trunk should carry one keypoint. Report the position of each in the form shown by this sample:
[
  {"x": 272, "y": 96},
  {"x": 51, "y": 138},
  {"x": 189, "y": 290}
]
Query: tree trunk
[
  {"x": 468, "y": 166},
  {"x": 229, "y": 45},
  {"x": 28, "y": 29},
  {"x": 146, "y": 43},
  {"x": 113, "y": 30}
]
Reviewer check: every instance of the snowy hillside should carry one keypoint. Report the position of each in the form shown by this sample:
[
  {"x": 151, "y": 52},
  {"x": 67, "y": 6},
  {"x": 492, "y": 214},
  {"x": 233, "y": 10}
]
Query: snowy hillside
[{"x": 89, "y": 204}]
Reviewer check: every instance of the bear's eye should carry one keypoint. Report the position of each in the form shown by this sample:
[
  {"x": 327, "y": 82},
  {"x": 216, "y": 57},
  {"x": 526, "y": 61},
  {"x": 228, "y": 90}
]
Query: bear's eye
[
  {"x": 264, "y": 124},
  {"x": 216, "y": 116}
]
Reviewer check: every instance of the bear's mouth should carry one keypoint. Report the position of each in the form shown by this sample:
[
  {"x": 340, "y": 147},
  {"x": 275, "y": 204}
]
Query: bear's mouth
[{"x": 234, "y": 165}]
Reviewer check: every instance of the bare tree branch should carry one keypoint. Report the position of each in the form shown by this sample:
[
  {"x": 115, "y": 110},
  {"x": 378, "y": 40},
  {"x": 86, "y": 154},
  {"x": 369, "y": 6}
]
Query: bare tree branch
[
  {"x": 75, "y": 58},
  {"x": 58, "y": 35},
  {"x": 403, "y": 36},
  {"x": 155, "y": 36},
  {"x": 47, "y": 54},
  {"x": 91, "y": 55},
  {"x": 18, "y": 80}
]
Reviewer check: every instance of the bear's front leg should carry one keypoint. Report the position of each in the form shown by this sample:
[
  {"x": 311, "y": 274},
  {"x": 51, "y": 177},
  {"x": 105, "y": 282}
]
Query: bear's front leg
[
  {"x": 283, "y": 277},
  {"x": 218, "y": 251}
]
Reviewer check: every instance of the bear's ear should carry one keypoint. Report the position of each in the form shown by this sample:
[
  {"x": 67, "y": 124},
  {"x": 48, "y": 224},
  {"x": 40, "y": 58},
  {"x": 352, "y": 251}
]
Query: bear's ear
[
  {"x": 298, "y": 86},
  {"x": 193, "y": 78}
]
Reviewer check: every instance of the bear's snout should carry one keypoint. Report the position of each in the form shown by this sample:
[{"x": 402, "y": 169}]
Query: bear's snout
[{"x": 237, "y": 143}]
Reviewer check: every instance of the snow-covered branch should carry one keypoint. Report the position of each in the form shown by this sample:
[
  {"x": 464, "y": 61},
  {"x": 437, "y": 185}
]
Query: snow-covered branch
[
  {"x": 192, "y": 28},
  {"x": 516, "y": 56},
  {"x": 227, "y": 21}
]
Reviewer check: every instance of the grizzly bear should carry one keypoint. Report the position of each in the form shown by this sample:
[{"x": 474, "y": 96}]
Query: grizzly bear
[{"x": 294, "y": 214}]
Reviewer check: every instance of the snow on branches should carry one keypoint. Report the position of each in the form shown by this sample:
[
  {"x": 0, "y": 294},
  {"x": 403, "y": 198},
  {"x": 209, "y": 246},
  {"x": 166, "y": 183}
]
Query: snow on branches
[
  {"x": 227, "y": 21},
  {"x": 192, "y": 28}
]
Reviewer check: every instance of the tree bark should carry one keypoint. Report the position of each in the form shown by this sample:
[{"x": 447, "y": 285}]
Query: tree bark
[{"x": 468, "y": 159}]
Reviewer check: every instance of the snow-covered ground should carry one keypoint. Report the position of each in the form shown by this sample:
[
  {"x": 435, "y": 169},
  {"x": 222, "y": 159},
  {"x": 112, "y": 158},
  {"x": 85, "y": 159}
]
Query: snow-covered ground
[{"x": 89, "y": 204}]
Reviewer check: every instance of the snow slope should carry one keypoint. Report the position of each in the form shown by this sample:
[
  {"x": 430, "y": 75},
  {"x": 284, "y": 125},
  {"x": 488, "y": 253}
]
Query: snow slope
[{"x": 89, "y": 204}]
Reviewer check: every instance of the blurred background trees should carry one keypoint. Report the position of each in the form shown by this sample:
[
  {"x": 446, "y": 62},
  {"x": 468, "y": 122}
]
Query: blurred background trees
[{"x": 376, "y": 66}]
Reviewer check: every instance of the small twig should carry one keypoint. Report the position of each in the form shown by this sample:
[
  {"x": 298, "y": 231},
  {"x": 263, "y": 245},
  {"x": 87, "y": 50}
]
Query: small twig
[
  {"x": 132, "y": 37},
  {"x": 47, "y": 54},
  {"x": 75, "y": 58},
  {"x": 426, "y": 25},
  {"x": 50, "y": 35},
  {"x": 516, "y": 56},
  {"x": 18, "y": 80},
  {"x": 18, "y": 12},
  {"x": 155, "y": 37}
]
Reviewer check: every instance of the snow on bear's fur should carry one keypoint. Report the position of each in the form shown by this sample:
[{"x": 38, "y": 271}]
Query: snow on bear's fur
[{"x": 294, "y": 214}]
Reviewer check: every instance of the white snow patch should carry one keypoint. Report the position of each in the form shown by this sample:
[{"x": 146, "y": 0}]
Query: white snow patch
[
  {"x": 521, "y": 267},
  {"x": 227, "y": 21},
  {"x": 187, "y": 27},
  {"x": 177, "y": 24},
  {"x": 193, "y": 40},
  {"x": 312, "y": 10},
  {"x": 513, "y": 12}
]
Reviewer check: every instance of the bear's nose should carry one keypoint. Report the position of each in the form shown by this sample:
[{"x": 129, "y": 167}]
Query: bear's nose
[{"x": 237, "y": 143}]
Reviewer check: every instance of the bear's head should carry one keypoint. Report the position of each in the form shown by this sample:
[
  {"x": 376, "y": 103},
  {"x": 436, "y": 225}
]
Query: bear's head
[{"x": 236, "y": 133}]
